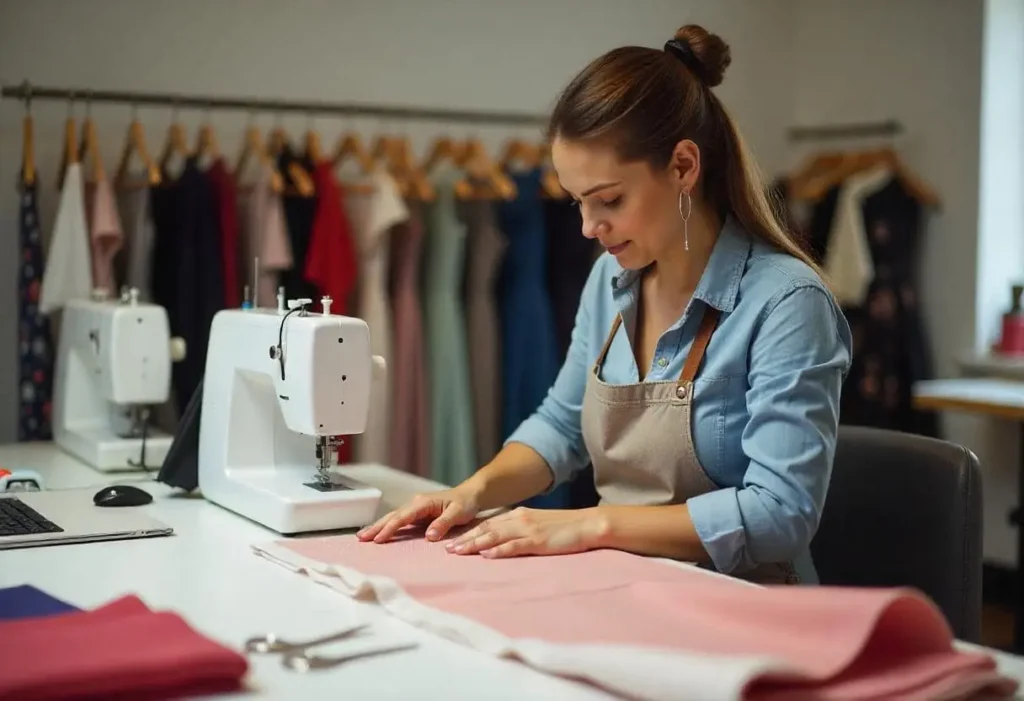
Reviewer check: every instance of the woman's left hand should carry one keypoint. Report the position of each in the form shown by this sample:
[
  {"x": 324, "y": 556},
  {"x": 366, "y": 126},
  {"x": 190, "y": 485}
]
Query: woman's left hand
[{"x": 532, "y": 532}]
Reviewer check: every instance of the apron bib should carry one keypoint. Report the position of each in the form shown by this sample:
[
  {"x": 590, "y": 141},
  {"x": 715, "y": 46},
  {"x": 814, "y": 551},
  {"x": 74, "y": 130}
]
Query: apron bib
[{"x": 639, "y": 437}]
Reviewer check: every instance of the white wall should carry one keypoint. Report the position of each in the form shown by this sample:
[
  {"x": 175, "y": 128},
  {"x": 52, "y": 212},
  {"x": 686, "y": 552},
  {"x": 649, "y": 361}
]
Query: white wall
[
  {"x": 795, "y": 61},
  {"x": 443, "y": 53}
]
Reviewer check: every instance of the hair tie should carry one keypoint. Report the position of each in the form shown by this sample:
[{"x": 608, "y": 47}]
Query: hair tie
[{"x": 682, "y": 51}]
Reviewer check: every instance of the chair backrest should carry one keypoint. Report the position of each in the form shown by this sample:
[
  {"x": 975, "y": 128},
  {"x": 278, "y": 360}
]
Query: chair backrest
[{"x": 905, "y": 510}]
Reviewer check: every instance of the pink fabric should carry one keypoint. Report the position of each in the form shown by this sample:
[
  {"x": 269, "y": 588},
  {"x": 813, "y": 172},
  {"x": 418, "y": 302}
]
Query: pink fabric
[
  {"x": 817, "y": 642},
  {"x": 105, "y": 235}
]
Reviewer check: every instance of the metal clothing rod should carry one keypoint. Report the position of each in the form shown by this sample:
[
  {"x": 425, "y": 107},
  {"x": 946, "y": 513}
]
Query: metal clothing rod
[
  {"x": 838, "y": 131},
  {"x": 29, "y": 92}
]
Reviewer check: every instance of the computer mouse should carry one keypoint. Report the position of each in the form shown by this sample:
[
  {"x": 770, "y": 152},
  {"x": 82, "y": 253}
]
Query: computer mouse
[{"x": 121, "y": 495}]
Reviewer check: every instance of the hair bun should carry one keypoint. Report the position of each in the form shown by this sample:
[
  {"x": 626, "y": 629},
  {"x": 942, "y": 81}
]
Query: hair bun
[{"x": 710, "y": 51}]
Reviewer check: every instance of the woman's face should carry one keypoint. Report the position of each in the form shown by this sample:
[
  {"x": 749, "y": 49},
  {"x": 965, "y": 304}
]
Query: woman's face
[{"x": 631, "y": 209}]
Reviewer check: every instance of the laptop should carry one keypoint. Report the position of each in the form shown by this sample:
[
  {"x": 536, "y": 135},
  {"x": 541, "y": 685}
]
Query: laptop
[{"x": 65, "y": 516}]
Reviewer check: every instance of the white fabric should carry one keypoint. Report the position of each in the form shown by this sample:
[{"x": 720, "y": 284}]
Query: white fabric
[
  {"x": 68, "y": 273},
  {"x": 628, "y": 671},
  {"x": 848, "y": 264},
  {"x": 372, "y": 217}
]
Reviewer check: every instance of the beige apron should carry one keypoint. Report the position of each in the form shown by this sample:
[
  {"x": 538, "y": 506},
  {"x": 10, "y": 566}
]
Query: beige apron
[{"x": 640, "y": 440}]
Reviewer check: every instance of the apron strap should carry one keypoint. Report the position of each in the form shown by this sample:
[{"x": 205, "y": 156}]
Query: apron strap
[
  {"x": 607, "y": 344},
  {"x": 700, "y": 344}
]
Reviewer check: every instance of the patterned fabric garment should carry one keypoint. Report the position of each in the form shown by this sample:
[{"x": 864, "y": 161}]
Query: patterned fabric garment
[{"x": 35, "y": 344}]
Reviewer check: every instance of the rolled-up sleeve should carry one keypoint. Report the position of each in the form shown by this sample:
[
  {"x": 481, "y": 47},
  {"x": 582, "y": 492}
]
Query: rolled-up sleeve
[
  {"x": 799, "y": 358},
  {"x": 554, "y": 429}
]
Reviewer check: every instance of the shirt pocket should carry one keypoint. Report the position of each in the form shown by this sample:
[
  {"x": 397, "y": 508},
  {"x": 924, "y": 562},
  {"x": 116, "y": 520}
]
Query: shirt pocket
[{"x": 713, "y": 396}]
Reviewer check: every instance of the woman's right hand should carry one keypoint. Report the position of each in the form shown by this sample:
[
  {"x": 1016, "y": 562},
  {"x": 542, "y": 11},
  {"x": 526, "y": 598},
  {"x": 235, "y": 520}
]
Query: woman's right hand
[{"x": 443, "y": 510}]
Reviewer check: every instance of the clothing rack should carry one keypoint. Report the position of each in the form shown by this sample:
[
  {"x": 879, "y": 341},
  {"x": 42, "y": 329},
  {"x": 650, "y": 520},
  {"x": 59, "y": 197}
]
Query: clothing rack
[
  {"x": 28, "y": 92},
  {"x": 889, "y": 127}
]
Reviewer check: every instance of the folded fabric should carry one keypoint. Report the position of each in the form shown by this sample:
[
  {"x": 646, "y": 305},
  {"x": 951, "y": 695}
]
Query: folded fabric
[
  {"x": 26, "y": 601},
  {"x": 121, "y": 650},
  {"x": 643, "y": 628}
]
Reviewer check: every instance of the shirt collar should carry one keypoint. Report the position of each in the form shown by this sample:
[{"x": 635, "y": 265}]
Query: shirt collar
[{"x": 719, "y": 285}]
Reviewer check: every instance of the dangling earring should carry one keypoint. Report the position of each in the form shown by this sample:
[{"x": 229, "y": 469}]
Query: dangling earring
[{"x": 685, "y": 217}]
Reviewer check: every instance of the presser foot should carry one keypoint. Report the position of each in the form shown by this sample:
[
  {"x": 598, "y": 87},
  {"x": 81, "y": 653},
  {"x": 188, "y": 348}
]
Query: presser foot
[{"x": 324, "y": 481}]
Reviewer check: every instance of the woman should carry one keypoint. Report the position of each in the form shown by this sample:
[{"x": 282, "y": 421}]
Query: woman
[{"x": 704, "y": 375}]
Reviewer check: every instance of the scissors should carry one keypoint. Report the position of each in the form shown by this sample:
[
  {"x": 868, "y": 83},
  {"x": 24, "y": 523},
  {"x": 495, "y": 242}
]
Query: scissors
[{"x": 298, "y": 656}]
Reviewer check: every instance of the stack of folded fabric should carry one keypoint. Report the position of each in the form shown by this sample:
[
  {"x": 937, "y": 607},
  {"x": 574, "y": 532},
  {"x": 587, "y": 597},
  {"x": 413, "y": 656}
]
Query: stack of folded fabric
[
  {"x": 644, "y": 629},
  {"x": 123, "y": 650}
]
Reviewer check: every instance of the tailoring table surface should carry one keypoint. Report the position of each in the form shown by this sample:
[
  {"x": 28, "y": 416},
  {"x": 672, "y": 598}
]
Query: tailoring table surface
[{"x": 208, "y": 573}]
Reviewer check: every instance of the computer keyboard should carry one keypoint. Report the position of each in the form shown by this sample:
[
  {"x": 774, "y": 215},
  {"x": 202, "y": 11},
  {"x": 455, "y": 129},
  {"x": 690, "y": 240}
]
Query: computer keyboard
[{"x": 18, "y": 518}]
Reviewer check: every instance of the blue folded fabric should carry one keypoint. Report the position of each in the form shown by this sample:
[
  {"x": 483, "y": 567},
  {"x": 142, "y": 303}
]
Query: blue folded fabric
[{"x": 26, "y": 601}]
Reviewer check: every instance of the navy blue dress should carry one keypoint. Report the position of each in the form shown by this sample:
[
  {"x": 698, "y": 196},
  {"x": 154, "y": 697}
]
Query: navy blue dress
[
  {"x": 35, "y": 344},
  {"x": 530, "y": 361}
]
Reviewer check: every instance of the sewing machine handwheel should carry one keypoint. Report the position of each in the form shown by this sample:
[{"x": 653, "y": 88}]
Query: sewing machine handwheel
[{"x": 178, "y": 349}]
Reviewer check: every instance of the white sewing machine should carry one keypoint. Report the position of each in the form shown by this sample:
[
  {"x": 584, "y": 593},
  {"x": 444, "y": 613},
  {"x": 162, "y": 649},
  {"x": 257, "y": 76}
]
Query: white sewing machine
[
  {"x": 280, "y": 387},
  {"x": 113, "y": 365}
]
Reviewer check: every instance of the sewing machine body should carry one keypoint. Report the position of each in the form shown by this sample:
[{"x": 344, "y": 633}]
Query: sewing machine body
[
  {"x": 113, "y": 364},
  {"x": 276, "y": 388}
]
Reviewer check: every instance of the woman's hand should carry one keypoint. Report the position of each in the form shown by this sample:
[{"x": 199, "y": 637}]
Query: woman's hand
[
  {"x": 444, "y": 509},
  {"x": 533, "y": 532}
]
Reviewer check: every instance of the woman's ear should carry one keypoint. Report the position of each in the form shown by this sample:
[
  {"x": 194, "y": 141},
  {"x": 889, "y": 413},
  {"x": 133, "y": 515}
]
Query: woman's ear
[{"x": 684, "y": 167}]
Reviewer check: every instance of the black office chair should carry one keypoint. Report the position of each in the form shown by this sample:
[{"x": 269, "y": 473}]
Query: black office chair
[{"x": 905, "y": 510}]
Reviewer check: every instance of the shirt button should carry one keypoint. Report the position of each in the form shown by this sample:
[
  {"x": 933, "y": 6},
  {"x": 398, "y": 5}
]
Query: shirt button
[{"x": 662, "y": 362}]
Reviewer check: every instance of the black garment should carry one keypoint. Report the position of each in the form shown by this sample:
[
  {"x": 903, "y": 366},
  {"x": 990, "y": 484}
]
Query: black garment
[
  {"x": 187, "y": 267},
  {"x": 570, "y": 258},
  {"x": 821, "y": 225},
  {"x": 299, "y": 214},
  {"x": 890, "y": 347}
]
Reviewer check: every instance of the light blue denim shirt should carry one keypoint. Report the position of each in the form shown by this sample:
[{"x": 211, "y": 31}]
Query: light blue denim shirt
[{"x": 766, "y": 399}]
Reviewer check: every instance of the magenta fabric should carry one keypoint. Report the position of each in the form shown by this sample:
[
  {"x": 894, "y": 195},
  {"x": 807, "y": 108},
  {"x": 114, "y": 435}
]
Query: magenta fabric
[
  {"x": 825, "y": 643},
  {"x": 122, "y": 650}
]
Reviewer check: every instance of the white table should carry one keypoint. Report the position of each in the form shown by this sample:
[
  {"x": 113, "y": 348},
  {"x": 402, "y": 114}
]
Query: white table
[
  {"x": 994, "y": 397},
  {"x": 208, "y": 574}
]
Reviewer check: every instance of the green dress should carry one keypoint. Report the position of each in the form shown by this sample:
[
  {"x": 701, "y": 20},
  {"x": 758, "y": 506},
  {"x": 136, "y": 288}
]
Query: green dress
[{"x": 452, "y": 443}]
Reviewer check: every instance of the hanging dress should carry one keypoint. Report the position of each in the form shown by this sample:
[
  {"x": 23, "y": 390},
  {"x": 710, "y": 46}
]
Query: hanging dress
[
  {"x": 529, "y": 344},
  {"x": 453, "y": 453},
  {"x": 407, "y": 373},
  {"x": 373, "y": 216},
  {"x": 35, "y": 343},
  {"x": 485, "y": 247}
]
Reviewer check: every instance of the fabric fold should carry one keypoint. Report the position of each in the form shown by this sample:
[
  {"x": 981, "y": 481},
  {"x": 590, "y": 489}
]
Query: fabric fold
[{"x": 642, "y": 628}]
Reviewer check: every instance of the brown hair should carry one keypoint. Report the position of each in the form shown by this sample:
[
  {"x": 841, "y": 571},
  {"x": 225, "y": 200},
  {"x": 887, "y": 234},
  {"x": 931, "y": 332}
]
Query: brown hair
[{"x": 645, "y": 101}]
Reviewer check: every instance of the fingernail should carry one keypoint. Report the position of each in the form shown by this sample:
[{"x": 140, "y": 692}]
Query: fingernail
[
  {"x": 459, "y": 548},
  {"x": 432, "y": 533}
]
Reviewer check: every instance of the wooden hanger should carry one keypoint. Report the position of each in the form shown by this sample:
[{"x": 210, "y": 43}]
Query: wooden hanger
[
  {"x": 206, "y": 143},
  {"x": 489, "y": 182},
  {"x": 816, "y": 185},
  {"x": 90, "y": 148},
  {"x": 443, "y": 149},
  {"x": 302, "y": 180},
  {"x": 28, "y": 150},
  {"x": 135, "y": 142},
  {"x": 69, "y": 154},
  {"x": 549, "y": 181},
  {"x": 385, "y": 153},
  {"x": 446, "y": 149},
  {"x": 350, "y": 145},
  {"x": 254, "y": 146},
  {"x": 404, "y": 163},
  {"x": 175, "y": 143},
  {"x": 314, "y": 151}
]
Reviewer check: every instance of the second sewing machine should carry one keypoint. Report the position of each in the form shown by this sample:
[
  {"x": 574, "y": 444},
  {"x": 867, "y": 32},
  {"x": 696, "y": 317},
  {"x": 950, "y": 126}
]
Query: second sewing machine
[
  {"x": 113, "y": 368},
  {"x": 281, "y": 387}
]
